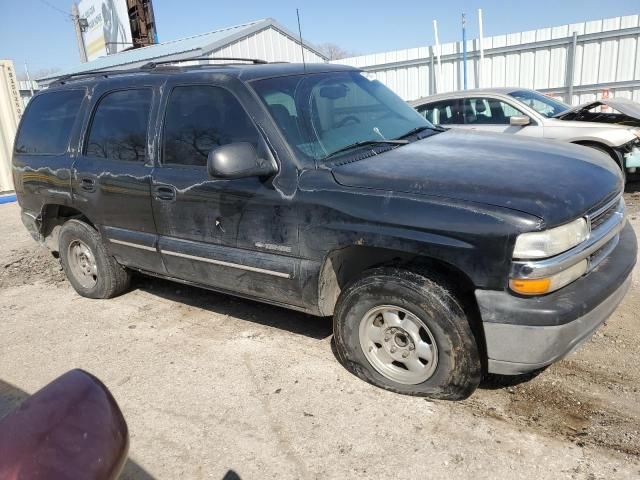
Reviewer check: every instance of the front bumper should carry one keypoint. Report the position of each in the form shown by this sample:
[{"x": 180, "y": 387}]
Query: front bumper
[{"x": 524, "y": 334}]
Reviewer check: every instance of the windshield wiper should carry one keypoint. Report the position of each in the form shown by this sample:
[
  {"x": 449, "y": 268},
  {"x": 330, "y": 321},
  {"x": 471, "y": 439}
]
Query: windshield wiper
[
  {"x": 366, "y": 142},
  {"x": 420, "y": 129}
]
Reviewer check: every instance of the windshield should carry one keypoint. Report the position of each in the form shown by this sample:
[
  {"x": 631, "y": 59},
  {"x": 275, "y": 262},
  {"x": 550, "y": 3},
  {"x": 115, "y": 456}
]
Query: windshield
[
  {"x": 542, "y": 104},
  {"x": 320, "y": 114}
]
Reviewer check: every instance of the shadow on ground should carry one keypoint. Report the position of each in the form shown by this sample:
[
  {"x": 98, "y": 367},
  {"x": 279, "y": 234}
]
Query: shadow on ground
[
  {"x": 11, "y": 397},
  {"x": 633, "y": 185},
  {"x": 247, "y": 310},
  {"x": 492, "y": 381}
]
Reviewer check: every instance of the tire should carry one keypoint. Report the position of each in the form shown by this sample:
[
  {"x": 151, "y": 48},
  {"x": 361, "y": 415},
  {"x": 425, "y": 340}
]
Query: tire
[
  {"x": 82, "y": 250},
  {"x": 453, "y": 372}
]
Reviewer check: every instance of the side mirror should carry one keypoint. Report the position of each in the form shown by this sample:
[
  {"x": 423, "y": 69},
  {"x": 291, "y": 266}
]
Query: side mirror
[
  {"x": 238, "y": 160},
  {"x": 71, "y": 428},
  {"x": 519, "y": 121}
]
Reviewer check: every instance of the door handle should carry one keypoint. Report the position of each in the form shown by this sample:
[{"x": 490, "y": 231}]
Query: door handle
[
  {"x": 88, "y": 184},
  {"x": 165, "y": 193}
]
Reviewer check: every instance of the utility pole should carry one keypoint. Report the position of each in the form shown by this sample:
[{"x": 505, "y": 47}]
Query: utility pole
[
  {"x": 481, "y": 62},
  {"x": 75, "y": 17},
  {"x": 464, "y": 49},
  {"x": 439, "y": 87}
]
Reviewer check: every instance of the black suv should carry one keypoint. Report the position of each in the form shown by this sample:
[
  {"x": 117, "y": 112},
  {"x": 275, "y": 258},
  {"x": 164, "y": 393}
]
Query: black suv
[{"x": 440, "y": 254}]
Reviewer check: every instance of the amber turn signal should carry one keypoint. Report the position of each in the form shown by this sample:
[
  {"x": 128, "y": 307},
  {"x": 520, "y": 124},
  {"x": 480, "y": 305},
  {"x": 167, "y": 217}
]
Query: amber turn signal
[{"x": 534, "y": 286}]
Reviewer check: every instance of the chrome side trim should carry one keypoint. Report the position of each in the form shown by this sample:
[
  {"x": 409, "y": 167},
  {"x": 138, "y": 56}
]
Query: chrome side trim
[
  {"x": 134, "y": 245},
  {"x": 526, "y": 269},
  {"x": 226, "y": 264}
]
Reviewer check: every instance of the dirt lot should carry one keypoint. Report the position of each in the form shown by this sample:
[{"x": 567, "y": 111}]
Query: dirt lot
[{"x": 211, "y": 385}]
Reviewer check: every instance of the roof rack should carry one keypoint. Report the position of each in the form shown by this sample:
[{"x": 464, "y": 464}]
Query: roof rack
[
  {"x": 255, "y": 61},
  {"x": 88, "y": 73},
  {"x": 150, "y": 66}
]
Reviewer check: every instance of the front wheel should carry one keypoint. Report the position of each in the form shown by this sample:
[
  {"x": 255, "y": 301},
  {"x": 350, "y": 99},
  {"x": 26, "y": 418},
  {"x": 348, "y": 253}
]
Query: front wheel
[{"x": 403, "y": 332}]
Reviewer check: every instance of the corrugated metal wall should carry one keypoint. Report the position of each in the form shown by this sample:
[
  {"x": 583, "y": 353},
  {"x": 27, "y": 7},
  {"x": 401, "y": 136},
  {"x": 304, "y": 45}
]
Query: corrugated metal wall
[
  {"x": 607, "y": 56},
  {"x": 271, "y": 45}
]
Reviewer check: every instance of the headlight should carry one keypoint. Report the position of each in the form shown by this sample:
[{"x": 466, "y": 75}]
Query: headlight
[
  {"x": 551, "y": 242},
  {"x": 540, "y": 286}
]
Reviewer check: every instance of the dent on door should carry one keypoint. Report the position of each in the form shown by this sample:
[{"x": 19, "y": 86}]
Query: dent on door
[{"x": 222, "y": 233}]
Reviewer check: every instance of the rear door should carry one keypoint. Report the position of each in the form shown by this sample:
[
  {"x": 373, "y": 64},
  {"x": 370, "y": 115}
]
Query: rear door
[
  {"x": 220, "y": 232},
  {"x": 112, "y": 176},
  {"x": 444, "y": 113}
]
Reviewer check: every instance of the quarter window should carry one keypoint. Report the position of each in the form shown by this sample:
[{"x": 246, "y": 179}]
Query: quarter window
[
  {"x": 48, "y": 121},
  {"x": 441, "y": 113},
  {"x": 201, "y": 118},
  {"x": 119, "y": 126}
]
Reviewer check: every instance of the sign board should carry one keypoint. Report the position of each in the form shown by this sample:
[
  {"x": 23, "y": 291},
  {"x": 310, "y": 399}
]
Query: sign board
[
  {"x": 9, "y": 87},
  {"x": 109, "y": 29},
  {"x": 10, "y": 111}
]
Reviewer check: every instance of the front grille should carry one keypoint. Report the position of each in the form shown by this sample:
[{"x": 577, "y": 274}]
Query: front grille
[
  {"x": 603, "y": 216},
  {"x": 596, "y": 221}
]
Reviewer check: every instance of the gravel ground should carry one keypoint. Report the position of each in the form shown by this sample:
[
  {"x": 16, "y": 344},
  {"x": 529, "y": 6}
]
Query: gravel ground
[{"x": 213, "y": 386}]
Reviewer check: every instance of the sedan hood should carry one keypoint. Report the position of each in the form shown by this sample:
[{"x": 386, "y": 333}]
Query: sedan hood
[
  {"x": 627, "y": 112},
  {"x": 622, "y": 105},
  {"x": 554, "y": 181}
]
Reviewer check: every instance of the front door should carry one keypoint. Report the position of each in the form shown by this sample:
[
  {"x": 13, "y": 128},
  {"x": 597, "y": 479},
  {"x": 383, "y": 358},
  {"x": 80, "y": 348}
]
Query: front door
[
  {"x": 200, "y": 219},
  {"x": 112, "y": 176},
  {"x": 494, "y": 115}
]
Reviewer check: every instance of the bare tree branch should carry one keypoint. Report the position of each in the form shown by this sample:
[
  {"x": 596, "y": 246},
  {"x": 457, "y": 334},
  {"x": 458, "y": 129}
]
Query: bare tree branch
[{"x": 335, "y": 52}]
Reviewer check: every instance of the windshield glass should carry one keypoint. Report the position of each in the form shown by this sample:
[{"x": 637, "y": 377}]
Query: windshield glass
[
  {"x": 542, "y": 104},
  {"x": 320, "y": 114}
]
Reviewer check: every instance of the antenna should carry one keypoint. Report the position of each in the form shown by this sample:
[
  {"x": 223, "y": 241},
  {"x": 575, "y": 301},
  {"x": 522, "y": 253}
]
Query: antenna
[{"x": 304, "y": 64}]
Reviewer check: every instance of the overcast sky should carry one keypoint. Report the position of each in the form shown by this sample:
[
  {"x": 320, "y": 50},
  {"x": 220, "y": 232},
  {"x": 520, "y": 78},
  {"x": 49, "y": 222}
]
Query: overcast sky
[{"x": 39, "y": 33}]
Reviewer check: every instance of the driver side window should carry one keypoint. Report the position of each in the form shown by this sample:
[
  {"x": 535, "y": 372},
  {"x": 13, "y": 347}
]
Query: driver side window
[
  {"x": 200, "y": 118},
  {"x": 488, "y": 111}
]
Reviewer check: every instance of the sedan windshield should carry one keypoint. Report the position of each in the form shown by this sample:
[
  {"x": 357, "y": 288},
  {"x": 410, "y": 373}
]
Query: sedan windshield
[
  {"x": 542, "y": 104},
  {"x": 326, "y": 113}
]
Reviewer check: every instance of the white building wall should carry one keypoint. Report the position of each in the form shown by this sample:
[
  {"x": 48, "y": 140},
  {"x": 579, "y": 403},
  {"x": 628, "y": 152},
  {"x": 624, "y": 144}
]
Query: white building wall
[
  {"x": 271, "y": 45},
  {"x": 607, "y": 57}
]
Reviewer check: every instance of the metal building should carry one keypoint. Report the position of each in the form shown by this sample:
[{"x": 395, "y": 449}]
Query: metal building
[
  {"x": 576, "y": 62},
  {"x": 263, "y": 39}
]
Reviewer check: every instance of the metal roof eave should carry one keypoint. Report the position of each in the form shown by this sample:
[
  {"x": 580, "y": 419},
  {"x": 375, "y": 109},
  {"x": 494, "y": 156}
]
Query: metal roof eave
[{"x": 243, "y": 31}]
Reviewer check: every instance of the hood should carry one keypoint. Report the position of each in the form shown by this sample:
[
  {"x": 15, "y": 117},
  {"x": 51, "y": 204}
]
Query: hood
[
  {"x": 622, "y": 105},
  {"x": 627, "y": 113},
  {"x": 554, "y": 181}
]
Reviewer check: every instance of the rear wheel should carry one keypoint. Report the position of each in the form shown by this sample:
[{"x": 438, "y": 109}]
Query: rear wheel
[
  {"x": 90, "y": 270},
  {"x": 406, "y": 333}
]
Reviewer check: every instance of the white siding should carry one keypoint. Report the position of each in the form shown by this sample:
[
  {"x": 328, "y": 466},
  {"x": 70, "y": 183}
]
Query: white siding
[
  {"x": 271, "y": 45},
  {"x": 599, "y": 62}
]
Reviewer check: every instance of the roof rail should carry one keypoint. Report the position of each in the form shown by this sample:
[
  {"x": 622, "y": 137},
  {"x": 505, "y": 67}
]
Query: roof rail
[
  {"x": 64, "y": 78},
  {"x": 151, "y": 65}
]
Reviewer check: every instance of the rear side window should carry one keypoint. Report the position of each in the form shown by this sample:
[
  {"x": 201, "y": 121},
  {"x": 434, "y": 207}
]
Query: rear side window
[
  {"x": 46, "y": 126},
  {"x": 441, "y": 113},
  {"x": 119, "y": 126},
  {"x": 200, "y": 118}
]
